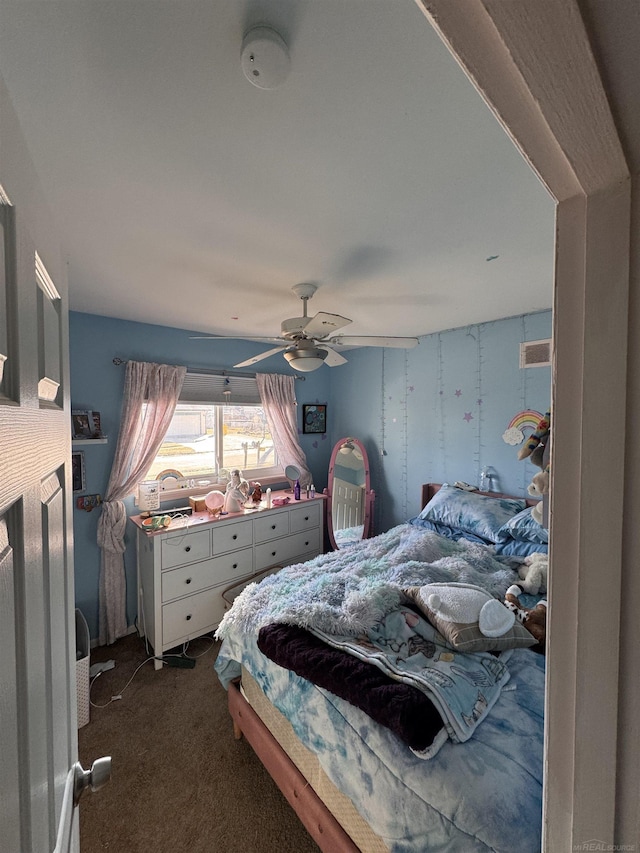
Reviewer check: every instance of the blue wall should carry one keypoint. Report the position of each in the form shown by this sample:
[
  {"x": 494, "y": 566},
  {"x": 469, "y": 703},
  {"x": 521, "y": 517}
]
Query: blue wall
[
  {"x": 97, "y": 384},
  {"x": 437, "y": 413},
  {"x": 432, "y": 414}
]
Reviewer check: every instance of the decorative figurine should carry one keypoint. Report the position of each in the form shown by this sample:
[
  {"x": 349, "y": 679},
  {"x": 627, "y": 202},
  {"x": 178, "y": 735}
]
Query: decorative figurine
[{"x": 237, "y": 492}]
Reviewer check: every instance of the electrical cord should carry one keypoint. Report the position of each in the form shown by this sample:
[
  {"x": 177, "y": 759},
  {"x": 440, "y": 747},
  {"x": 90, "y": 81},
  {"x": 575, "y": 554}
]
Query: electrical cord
[
  {"x": 187, "y": 643},
  {"x": 135, "y": 672}
]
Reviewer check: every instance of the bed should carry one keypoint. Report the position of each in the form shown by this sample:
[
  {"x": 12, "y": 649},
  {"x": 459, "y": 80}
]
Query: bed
[{"x": 358, "y": 779}]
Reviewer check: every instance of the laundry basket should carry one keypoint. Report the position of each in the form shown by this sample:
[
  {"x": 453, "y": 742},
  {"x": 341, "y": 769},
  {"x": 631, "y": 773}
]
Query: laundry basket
[{"x": 82, "y": 669}]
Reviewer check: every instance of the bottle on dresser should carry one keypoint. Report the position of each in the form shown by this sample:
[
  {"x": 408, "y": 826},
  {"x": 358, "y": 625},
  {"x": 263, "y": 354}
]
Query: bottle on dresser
[{"x": 296, "y": 490}]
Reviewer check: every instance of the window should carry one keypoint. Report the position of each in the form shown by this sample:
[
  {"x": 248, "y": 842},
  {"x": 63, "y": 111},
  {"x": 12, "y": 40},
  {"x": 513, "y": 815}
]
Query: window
[{"x": 219, "y": 424}]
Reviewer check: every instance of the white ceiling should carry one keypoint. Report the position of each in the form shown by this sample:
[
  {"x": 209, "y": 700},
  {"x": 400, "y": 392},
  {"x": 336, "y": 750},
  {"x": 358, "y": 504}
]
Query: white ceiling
[{"x": 187, "y": 197}]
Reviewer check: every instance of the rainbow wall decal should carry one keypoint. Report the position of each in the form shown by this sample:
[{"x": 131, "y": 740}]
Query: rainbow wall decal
[{"x": 514, "y": 434}]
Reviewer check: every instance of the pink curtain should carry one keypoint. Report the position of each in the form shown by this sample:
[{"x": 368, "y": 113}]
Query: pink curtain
[
  {"x": 142, "y": 429},
  {"x": 279, "y": 404}
]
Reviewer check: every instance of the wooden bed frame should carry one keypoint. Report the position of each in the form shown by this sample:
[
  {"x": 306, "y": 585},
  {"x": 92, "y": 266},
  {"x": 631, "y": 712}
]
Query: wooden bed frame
[
  {"x": 314, "y": 814},
  {"x": 320, "y": 823}
]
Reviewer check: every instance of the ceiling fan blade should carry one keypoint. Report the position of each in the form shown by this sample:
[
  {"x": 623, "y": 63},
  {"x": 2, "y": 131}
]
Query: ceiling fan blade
[
  {"x": 325, "y": 324},
  {"x": 254, "y": 338},
  {"x": 262, "y": 355},
  {"x": 333, "y": 359},
  {"x": 373, "y": 341}
]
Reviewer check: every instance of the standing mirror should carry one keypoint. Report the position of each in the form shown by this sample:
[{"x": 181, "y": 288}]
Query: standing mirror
[{"x": 349, "y": 495}]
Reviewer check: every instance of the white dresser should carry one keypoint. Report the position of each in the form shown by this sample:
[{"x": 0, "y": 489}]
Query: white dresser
[{"x": 182, "y": 571}]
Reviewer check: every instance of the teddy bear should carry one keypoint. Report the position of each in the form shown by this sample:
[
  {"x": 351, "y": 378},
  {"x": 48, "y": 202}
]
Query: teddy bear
[
  {"x": 534, "y": 619},
  {"x": 538, "y": 487},
  {"x": 534, "y": 573}
]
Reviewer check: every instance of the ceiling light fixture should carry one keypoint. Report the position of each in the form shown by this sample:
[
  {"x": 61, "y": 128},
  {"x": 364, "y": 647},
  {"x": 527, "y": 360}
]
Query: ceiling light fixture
[
  {"x": 305, "y": 357},
  {"x": 265, "y": 58}
]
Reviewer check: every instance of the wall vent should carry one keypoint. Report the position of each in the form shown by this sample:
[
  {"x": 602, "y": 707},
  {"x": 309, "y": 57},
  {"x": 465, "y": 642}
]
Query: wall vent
[{"x": 535, "y": 353}]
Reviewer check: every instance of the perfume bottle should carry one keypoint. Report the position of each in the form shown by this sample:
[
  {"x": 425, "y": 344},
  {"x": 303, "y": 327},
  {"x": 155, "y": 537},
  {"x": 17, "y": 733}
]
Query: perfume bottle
[
  {"x": 296, "y": 490},
  {"x": 312, "y": 491}
]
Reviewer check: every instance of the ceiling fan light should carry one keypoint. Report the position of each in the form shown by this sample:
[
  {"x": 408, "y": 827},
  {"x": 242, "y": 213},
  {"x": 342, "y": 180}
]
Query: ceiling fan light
[{"x": 305, "y": 360}]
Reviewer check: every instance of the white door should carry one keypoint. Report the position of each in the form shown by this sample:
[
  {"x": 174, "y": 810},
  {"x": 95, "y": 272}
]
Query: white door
[{"x": 38, "y": 734}]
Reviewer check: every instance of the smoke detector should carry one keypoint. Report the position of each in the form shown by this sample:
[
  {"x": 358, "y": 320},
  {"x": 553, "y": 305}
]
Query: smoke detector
[{"x": 265, "y": 58}]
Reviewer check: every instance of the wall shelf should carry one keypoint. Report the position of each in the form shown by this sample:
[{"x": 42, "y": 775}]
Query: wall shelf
[{"x": 83, "y": 442}]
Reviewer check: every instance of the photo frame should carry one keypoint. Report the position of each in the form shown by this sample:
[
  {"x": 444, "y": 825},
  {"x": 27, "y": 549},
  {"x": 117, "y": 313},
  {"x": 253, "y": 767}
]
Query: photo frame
[
  {"x": 77, "y": 471},
  {"x": 85, "y": 424},
  {"x": 81, "y": 423},
  {"x": 314, "y": 418}
]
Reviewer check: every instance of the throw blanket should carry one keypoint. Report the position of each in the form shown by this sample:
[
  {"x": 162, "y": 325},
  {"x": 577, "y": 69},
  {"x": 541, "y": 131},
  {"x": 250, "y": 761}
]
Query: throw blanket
[
  {"x": 405, "y": 646},
  {"x": 347, "y": 592},
  {"x": 401, "y": 708}
]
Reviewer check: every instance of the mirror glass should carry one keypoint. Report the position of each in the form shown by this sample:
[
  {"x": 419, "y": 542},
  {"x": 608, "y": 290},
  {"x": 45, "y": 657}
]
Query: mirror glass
[{"x": 350, "y": 498}]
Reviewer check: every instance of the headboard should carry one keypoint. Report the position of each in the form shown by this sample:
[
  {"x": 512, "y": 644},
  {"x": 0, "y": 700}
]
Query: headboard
[{"x": 429, "y": 490}]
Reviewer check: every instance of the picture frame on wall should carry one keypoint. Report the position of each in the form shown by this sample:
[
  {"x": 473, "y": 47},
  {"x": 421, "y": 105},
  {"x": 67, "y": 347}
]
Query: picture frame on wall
[
  {"x": 77, "y": 471},
  {"x": 314, "y": 417}
]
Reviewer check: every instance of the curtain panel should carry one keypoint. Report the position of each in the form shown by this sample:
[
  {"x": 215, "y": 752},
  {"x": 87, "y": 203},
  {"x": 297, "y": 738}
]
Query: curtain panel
[
  {"x": 280, "y": 405},
  {"x": 150, "y": 395}
]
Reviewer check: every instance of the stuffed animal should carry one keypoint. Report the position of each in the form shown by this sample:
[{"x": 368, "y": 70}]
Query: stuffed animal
[
  {"x": 538, "y": 487},
  {"x": 534, "y": 573},
  {"x": 538, "y": 437},
  {"x": 534, "y": 619},
  {"x": 536, "y": 449}
]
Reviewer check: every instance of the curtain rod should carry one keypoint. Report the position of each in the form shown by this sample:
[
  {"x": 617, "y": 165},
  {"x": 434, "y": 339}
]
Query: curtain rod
[{"x": 118, "y": 361}]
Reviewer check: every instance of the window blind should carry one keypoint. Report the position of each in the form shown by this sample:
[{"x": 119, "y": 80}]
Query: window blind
[{"x": 218, "y": 388}]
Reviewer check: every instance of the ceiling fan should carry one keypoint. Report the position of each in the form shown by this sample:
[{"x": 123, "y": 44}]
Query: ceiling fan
[{"x": 308, "y": 342}]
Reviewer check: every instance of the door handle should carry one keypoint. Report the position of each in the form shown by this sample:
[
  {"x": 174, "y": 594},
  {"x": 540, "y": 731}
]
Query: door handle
[{"x": 95, "y": 778}]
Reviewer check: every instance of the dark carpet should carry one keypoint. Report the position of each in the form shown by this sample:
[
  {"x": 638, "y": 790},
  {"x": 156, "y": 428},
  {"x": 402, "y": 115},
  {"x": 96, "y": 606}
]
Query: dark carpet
[{"x": 180, "y": 781}]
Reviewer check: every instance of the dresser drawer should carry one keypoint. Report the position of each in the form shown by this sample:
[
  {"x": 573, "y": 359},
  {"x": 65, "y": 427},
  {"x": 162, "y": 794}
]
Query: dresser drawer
[
  {"x": 228, "y": 537},
  {"x": 284, "y": 551},
  {"x": 234, "y": 565},
  {"x": 192, "y": 616},
  {"x": 304, "y": 517},
  {"x": 185, "y": 548},
  {"x": 271, "y": 526}
]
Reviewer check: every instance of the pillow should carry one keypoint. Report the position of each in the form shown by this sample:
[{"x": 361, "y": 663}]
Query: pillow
[
  {"x": 520, "y": 548},
  {"x": 445, "y": 530},
  {"x": 524, "y": 528},
  {"x": 473, "y": 513},
  {"x": 469, "y": 618}
]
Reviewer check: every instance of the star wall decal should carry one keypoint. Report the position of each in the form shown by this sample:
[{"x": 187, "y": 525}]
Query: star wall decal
[
  {"x": 468, "y": 416},
  {"x": 458, "y": 392}
]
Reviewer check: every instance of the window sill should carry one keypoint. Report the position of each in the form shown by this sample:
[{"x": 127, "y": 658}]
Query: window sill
[{"x": 186, "y": 492}]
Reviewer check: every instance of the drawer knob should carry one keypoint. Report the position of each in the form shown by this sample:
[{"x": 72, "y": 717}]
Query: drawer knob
[
  {"x": 235, "y": 536},
  {"x": 273, "y": 527},
  {"x": 188, "y": 617},
  {"x": 306, "y": 518},
  {"x": 306, "y": 543},
  {"x": 235, "y": 566},
  {"x": 273, "y": 553},
  {"x": 188, "y": 580},
  {"x": 187, "y": 548}
]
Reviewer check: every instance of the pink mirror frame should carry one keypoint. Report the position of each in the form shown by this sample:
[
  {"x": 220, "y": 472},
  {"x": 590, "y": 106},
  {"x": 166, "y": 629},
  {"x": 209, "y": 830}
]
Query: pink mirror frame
[{"x": 349, "y": 506}]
